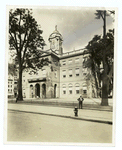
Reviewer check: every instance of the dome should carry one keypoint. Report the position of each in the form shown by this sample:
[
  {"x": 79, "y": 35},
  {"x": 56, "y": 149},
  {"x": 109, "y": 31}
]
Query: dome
[{"x": 56, "y": 34}]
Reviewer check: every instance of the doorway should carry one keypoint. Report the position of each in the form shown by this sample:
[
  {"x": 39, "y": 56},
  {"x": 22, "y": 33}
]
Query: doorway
[
  {"x": 55, "y": 86},
  {"x": 43, "y": 90},
  {"x": 37, "y": 90}
]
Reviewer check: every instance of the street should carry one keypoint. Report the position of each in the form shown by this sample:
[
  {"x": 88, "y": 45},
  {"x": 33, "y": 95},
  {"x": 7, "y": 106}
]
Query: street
[{"x": 30, "y": 127}]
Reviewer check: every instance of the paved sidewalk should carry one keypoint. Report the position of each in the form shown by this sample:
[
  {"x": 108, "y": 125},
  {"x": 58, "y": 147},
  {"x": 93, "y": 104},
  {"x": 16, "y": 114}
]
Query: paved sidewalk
[
  {"x": 86, "y": 100},
  {"x": 83, "y": 114},
  {"x": 89, "y": 104}
]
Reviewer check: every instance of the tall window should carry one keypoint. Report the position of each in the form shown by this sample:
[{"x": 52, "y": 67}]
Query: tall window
[
  {"x": 77, "y": 71},
  {"x": 15, "y": 82},
  {"x": 70, "y": 61},
  {"x": 77, "y": 60},
  {"x": 84, "y": 71},
  {"x": 70, "y": 72},
  {"x": 64, "y": 89},
  {"x": 10, "y": 86},
  {"x": 64, "y": 63},
  {"x": 84, "y": 90},
  {"x": 70, "y": 88},
  {"x": 77, "y": 88},
  {"x": 10, "y": 90},
  {"x": 64, "y": 73}
]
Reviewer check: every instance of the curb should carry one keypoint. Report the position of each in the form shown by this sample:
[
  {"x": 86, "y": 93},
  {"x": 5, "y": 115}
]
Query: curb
[{"x": 70, "y": 117}]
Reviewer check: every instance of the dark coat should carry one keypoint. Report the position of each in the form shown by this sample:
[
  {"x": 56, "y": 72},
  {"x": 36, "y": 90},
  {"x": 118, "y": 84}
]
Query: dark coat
[{"x": 80, "y": 99}]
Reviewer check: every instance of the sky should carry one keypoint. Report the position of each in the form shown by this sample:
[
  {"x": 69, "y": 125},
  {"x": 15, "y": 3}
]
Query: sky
[{"x": 77, "y": 25}]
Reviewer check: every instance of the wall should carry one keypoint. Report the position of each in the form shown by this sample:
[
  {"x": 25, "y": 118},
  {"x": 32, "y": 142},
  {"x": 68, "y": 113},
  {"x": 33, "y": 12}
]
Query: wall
[
  {"x": 10, "y": 86},
  {"x": 54, "y": 78},
  {"x": 74, "y": 80}
]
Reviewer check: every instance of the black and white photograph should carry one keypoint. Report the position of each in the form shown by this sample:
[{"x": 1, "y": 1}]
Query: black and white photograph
[{"x": 60, "y": 83}]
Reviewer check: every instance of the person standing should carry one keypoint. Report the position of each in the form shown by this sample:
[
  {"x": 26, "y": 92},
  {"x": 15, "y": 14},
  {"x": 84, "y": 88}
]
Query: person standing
[{"x": 80, "y": 99}]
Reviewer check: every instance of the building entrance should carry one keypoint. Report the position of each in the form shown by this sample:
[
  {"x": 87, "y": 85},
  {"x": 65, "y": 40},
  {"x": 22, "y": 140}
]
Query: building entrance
[
  {"x": 55, "y": 86},
  {"x": 43, "y": 90},
  {"x": 37, "y": 90}
]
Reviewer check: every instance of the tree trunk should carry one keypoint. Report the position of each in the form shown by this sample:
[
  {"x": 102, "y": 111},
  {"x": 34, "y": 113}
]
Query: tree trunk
[
  {"x": 104, "y": 101},
  {"x": 96, "y": 83},
  {"x": 20, "y": 97},
  {"x": 105, "y": 80}
]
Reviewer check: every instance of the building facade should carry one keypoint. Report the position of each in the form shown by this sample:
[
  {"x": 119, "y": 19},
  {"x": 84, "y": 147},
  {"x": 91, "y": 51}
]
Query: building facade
[
  {"x": 64, "y": 77},
  {"x": 10, "y": 86}
]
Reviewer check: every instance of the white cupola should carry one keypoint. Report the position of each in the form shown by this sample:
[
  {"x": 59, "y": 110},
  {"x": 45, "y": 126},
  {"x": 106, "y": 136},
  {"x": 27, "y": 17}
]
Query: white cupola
[{"x": 56, "y": 40}]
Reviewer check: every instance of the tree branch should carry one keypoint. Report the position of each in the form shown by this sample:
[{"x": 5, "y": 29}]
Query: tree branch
[
  {"x": 25, "y": 33},
  {"x": 26, "y": 48},
  {"x": 15, "y": 45},
  {"x": 101, "y": 15},
  {"x": 20, "y": 31}
]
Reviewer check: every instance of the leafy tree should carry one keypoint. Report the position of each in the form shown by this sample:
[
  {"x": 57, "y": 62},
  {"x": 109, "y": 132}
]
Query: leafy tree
[
  {"x": 11, "y": 69},
  {"x": 105, "y": 82},
  {"x": 94, "y": 60},
  {"x": 110, "y": 58},
  {"x": 26, "y": 40}
]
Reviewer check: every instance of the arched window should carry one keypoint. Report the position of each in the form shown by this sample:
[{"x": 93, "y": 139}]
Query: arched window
[
  {"x": 31, "y": 85},
  {"x": 64, "y": 89},
  {"x": 70, "y": 88},
  {"x": 77, "y": 88},
  {"x": 84, "y": 88}
]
